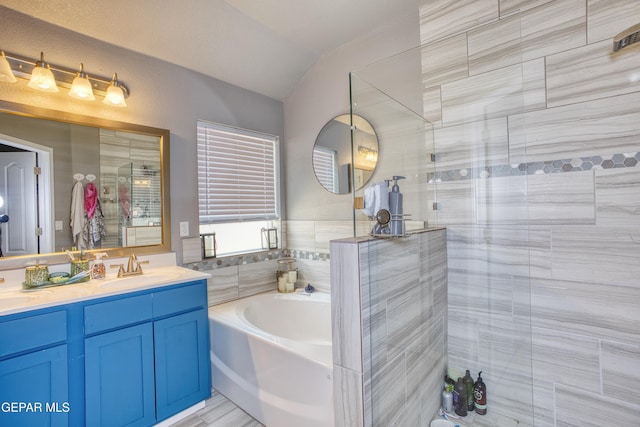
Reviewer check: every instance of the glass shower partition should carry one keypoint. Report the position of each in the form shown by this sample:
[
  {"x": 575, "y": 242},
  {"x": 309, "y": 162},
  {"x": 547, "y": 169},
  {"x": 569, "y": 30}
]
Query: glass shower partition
[{"x": 478, "y": 189}]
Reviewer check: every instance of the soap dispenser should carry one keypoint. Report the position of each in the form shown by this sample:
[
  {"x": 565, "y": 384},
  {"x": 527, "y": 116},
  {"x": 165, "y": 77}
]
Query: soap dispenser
[
  {"x": 98, "y": 270},
  {"x": 395, "y": 208}
]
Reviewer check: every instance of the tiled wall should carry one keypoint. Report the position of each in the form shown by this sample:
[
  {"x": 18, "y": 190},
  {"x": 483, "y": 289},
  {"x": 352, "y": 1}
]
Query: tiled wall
[
  {"x": 537, "y": 132},
  {"x": 389, "y": 311},
  {"x": 240, "y": 276}
]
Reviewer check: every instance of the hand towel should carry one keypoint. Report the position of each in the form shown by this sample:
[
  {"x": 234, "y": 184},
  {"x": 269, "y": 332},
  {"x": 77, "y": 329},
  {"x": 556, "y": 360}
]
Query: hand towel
[{"x": 77, "y": 210}]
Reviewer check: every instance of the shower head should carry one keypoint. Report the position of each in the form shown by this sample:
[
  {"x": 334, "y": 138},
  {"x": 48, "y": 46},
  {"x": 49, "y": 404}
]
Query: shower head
[{"x": 629, "y": 36}]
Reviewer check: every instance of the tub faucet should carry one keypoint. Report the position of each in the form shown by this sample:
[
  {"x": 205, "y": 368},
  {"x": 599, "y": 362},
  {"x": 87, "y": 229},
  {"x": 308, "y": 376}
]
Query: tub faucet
[{"x": 309, "y": 289}]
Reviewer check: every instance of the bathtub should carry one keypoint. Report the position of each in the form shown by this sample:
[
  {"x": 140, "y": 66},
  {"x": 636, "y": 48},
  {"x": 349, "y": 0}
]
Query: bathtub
[{"x": 271, "y": 355}]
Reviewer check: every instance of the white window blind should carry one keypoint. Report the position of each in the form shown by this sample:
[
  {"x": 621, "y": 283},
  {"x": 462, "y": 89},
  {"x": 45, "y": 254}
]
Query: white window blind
[
  {"x": 237, "y": 178},
  {"x": 325, "y": 167}
]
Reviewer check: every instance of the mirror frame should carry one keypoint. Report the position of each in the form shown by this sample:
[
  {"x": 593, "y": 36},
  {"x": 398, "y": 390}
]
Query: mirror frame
[
  {"x": 17, "y": 262},
  {"x": 353, "y": 151}
]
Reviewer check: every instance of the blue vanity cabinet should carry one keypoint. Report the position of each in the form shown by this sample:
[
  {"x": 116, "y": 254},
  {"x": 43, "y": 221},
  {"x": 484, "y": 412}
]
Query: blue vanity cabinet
[
  {"x": 34, "y": 386},
  {"x": 182, "y": 362},
  {"x": 119, "y": 374},
  {"x": 146, "y": 355}
]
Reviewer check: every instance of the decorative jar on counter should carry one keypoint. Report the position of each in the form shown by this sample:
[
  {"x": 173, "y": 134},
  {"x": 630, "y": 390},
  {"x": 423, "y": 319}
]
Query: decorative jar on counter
[{"x": 287, "y": 275}]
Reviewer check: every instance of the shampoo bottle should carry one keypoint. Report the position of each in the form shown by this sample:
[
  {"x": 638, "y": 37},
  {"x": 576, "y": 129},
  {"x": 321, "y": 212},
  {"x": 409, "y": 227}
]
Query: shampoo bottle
[
  {"x": 461, "y": 409},
  {"x": 98, "y": 270},
  {"x": 468, "y": 383},
  {"x": 396, "y": 208},
  {"x": 480, "y": 396},
  {"x": 447, "y": 399}
]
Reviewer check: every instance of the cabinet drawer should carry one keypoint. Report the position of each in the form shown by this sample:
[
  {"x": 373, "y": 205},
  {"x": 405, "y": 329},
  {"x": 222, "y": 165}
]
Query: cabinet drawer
[
  {"x": 117, "y": 313},
  {"x": 32, "y": 332},
  {"x": 180, "y": 299}
]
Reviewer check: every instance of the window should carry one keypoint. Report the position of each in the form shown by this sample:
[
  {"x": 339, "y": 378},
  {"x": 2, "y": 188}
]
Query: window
[
  {"x": 325, "y": 165},
  {"x": 237, "y": 186}
]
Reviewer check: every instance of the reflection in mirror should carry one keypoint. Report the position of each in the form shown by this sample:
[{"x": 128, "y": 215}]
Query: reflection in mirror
[
  {"x": 332, "y": 160},
  {"x": 74, "y": 181}
]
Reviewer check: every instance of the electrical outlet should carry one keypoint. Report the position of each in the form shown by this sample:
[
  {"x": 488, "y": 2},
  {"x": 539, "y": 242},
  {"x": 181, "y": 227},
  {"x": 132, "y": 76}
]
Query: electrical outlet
[
  {"x": 58, "y": 225},
  {"x": 184, "y": 229}
]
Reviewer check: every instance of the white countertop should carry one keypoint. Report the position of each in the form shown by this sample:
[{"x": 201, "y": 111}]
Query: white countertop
[{"x": 160, "y": 272}]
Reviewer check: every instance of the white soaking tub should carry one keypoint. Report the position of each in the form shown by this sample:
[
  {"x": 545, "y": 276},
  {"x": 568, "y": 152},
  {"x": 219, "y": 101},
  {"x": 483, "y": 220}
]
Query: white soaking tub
[{"x": 271, "y": 355}]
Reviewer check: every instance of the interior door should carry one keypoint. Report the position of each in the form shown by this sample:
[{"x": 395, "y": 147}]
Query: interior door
[{"x": 18, "y": 189}]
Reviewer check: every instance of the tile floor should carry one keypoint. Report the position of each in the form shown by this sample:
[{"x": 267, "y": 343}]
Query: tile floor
[{"x": 219, "y": 412}]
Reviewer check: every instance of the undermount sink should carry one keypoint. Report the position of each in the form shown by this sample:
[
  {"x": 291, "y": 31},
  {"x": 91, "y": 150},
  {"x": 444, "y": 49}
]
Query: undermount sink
[{"x": 140, "y": 280}]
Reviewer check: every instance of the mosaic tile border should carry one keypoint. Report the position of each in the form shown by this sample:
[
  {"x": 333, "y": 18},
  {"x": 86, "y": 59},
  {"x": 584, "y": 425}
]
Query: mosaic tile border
[
  {"x": 215, "y": 263},
  {"x": 625, "y": 160}
]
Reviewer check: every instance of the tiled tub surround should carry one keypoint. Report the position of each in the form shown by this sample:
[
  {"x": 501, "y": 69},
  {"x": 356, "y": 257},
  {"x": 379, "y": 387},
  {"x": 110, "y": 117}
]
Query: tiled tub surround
[
  {"x": 537, "y": 133},
  {"x": 389, "y": 300}
]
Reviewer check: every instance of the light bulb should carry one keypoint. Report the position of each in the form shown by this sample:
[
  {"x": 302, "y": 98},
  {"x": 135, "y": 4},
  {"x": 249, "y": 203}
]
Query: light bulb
[
  {"x": 42, "y": 77},
  {"x": 81, "y": 86},
  {"x": 6, "y": 73},
  {"x": 115, "y": 94}
]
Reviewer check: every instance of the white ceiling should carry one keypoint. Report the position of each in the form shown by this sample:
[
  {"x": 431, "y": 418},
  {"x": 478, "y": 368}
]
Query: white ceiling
[{"x": 262, "y": 45}]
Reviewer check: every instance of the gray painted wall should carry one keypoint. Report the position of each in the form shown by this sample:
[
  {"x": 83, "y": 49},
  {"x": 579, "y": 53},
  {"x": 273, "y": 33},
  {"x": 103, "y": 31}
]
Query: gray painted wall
[{"x": 163, "y": 95}]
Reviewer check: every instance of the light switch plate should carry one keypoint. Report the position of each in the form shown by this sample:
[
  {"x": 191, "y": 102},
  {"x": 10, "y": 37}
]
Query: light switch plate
[{"x": 184, "y": 229}]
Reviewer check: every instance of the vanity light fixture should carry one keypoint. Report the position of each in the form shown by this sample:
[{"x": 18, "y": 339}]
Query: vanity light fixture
[
  {"x": 6, "y": 74},
  {"x": 46, "y": 77},
  {"x": 115, "y": 94},
  {"x": 42, "y": 77},
  {"x": 369, "y": 154},
  {"x": 81, "y": 86}
]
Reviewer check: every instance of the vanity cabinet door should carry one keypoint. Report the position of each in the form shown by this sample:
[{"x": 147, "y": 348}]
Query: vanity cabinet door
[
  {"x": 182, "y": 362},
  {"x": 34, "y": 389},
  {"x": 119, "y": 378}
]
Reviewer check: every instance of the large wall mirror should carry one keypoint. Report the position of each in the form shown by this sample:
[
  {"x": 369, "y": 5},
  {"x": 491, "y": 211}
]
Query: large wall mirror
[
  {"x": 332, "y": 160},
  {"x": 70, "y": 181}
]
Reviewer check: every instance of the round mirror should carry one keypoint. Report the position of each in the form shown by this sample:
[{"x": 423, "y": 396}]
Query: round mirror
[{"x": 332, "y": 161}]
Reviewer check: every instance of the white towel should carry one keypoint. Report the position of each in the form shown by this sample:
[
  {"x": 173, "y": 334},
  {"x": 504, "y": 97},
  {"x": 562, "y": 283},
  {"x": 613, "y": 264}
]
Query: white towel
[
  {"x": 376, "y": 197},
  {"x": 77, "y": 212}
]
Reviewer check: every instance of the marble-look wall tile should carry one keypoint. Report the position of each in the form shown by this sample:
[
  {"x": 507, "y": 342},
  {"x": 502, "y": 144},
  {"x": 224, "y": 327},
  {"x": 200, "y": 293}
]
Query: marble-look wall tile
[
  {"x": 444, "y": 61},
  {"x": 481, "y": 143},
  {"x": 609, "y": 255},
  {"x": 480, "y": 294},
  {"x": 348, "y": 397},
  {"x": 543, "y": 404},
  {"x": 345, "y": 306},
  {"x": 223, "y": 285},
  {"x": 609, "y": 17},
  {"x": 540, "y": 251},
  {"x": 432, "y": 106},
  {"x": 569, "y": 359},
  {"x": 325, "y": 231},
  {"x": 592, "y": 72},
  {"x": 502, "y": 200},
  {"x": 257, "y": 277},
  {"x": 620, "y": 373},
  {"x": 508, "y": 90},
  {"x": 576, "y": 408},
  {"x": 589, "y": 309},
  {"x": 389, "y": 391},
  {"x": 511, "y": 6},
  {"x": 552, "y": 28},
  {"x": 316, "y": 273},
  {"x": 301, "y": 235},
  {"x": 456, "y": 203},
  {"x": 489, "y": 250},
  {"x": 437, "y": 16},
  {"x": 563, "y": 198},
  {"x": 603, "y": 126},
  {"x": 618, "y": 197}
]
